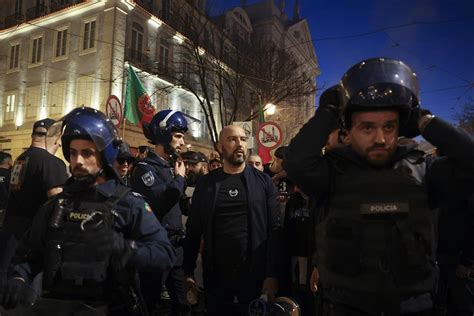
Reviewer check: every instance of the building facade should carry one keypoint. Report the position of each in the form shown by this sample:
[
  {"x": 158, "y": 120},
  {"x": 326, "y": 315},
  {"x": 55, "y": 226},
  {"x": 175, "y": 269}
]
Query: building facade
[{"x": 56, "y": 55}]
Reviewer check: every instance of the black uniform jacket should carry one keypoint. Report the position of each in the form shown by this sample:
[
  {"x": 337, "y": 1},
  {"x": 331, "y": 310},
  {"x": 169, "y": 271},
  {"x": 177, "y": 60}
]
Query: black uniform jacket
[
  {"x": 313, "y": 172},
  {"x": 135, "y": 221},
  {"x": 264, "y": 222}
]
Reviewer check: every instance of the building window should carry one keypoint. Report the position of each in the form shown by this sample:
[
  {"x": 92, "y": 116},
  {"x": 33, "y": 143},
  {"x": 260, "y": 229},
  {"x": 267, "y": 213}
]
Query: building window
[
  {"x": 32, "y": 101},
  {"x": 36, "y": 50},
  {"x": 186, "y": 68},
  {"x": 84, "y": 89},
  {"x": 56, "y": 93},
  {"x": 61, "y": 42},
  {"x": 137, "y": 41},
  {"x": 14, "y": 56},
  {"x": 88, "y": 35},
  {"x": 164, "y": 56},
  {"x": 10, "y": 106}
]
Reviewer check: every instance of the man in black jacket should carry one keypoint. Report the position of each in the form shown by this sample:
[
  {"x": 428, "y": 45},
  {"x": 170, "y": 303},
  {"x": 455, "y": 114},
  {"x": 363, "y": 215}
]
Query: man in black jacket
[
  {"x": 375, "y": 243},
  {"x": 235, "y": 211}
]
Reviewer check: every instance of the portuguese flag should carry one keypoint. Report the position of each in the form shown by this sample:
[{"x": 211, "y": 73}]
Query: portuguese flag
[{"x": 138, "y": 108}]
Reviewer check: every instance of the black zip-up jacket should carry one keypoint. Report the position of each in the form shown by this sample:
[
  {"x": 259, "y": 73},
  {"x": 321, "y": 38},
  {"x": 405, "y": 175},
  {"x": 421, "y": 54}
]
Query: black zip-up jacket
[{"x": 264, "y": 223}]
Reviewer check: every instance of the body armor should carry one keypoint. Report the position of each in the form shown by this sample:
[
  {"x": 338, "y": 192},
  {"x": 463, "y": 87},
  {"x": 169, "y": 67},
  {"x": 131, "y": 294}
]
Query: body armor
[
  {"x": 376, "y": 240},
  {"x": 74, "y": 269}
]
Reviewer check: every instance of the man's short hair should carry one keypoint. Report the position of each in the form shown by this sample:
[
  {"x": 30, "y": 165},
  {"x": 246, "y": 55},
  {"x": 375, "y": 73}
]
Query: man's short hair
[
  {"x": 40, "y": 128},
  {"x": 4, "y": 157}
]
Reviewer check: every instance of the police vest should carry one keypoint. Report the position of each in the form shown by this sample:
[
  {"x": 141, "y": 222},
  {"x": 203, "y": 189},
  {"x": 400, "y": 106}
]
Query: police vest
[
  {"x": 73, "y": 268},
  {"x": 377, "y": 236}
]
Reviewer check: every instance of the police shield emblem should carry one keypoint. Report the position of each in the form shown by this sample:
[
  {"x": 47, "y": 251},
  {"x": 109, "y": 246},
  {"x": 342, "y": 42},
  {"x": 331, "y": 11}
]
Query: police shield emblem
[{"x": 148, "y": 179}]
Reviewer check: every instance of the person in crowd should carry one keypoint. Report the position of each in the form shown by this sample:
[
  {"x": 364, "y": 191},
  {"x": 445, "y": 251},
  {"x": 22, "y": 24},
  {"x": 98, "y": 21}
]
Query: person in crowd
[
  {"x": 375, "y": 243},
  {"x": 214, "y": 163},
  {"x": 123, "y": 163},
  {"x": 196, "y": 164},
  {"x": 255, "y": 161},
  {"x": 452, "y": 193},
  {"x": 37, "y": 175},
  {"x": 5, "y": 171},
  {"x": 143, "y": 151},
  {"x": 234, "y": 210},
  {"x": 90, "y": 239},
  {"x": 160, "y": 178}
]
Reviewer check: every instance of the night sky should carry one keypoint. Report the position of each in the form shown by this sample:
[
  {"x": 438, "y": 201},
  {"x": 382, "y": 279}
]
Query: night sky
[{"x": 434, "y": 37}]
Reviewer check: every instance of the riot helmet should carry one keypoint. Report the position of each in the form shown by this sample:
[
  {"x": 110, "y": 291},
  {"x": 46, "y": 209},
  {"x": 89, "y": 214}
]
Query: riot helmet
[
  {"x": 163, "y": 124},
  {"x": 377, "y": 84},
  {"x": 91, "y": 124}
]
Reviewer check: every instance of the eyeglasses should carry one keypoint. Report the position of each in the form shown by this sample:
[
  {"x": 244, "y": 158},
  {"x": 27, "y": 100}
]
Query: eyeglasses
[{"x": 121, "y": 161}]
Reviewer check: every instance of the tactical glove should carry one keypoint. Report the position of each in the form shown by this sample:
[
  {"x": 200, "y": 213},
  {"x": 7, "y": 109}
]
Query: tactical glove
[
  {"x": 409, "y": 128},
  {"x": 330, "y": 99},
  {"x": 12, "y": 293}
]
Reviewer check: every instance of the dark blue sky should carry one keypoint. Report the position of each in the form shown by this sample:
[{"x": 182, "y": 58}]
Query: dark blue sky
[{"x": 437, "y": 42}]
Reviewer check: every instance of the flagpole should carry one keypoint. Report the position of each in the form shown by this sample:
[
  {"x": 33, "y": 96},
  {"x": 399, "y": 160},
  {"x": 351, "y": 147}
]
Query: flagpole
[{"x": 123, "y": 130}]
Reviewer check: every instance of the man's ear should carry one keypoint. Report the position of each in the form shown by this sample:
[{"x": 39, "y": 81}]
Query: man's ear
[{"x": 219, "y": 148}]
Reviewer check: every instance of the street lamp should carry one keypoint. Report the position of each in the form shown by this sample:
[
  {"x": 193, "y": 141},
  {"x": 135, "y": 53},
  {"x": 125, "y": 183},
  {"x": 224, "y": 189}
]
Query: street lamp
[{"x": 270, "y": 108}]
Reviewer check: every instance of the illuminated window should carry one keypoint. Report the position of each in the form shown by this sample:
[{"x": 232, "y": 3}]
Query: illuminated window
[
  {"x": 10, "y": 104},
  {"x": 137, "y": 41},
  {"x": 164, "y": 55},
  {"x": 84, "y": 89},
  {"x": 56, "y": 97}
]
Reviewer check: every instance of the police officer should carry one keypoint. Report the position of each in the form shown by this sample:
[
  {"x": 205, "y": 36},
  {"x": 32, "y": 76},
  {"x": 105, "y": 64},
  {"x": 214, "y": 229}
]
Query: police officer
[
  {"x": 160, "y": 178},
  {"x": 90, "y": 239},
  {"x": 375, "y": 244},
  {"x": 123, "y": 163}
]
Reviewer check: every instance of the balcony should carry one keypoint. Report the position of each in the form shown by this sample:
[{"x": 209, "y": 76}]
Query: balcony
[
  {"x": 14, "y": 19},
  {"x": 57, "y": 5},
  {"x": 36, "y": 11}
]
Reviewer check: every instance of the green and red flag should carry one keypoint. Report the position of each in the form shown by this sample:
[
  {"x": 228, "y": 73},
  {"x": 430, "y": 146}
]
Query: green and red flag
[{"x": 138, "y": 107}]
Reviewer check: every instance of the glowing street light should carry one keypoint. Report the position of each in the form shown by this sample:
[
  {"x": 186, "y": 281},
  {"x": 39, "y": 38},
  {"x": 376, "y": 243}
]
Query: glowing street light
[{"x": 270, "y": 108}]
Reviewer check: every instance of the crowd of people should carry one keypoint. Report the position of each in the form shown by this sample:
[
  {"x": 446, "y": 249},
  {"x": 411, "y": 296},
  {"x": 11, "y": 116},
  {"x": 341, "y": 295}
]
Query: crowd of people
[{"x": 350, "y": 218}]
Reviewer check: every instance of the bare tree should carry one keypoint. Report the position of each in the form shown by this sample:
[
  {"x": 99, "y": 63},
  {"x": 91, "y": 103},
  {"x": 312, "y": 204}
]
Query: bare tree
[
  {"x": 465, "y": 117},
  {"x": 224, "y": 71}
]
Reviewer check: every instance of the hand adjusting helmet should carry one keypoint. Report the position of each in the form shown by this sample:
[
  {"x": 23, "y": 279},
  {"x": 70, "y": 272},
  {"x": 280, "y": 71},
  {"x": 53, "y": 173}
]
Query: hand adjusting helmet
[
  {"x": 377, "y": 84},
  {"x": 90, "y": 124},
  {"x": 163, "y": 124}
]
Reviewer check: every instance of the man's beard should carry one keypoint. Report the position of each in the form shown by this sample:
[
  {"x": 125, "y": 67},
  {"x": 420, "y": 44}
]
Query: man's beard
[
  {"x": 382, "y": 159},
  {"x": 234, "y": 158}
]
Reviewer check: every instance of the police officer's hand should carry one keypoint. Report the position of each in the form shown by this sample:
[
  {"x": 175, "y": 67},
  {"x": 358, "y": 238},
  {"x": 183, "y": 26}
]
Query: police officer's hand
[
  {"x": 331, "y": 100},
  {"x": 180, "y": 169},
  {"x": 415, "y": 124},
  {"x": 12, "y": 293},
  {"x": 191, "y": 290},
  {"x": 270, "y": 288},
  {"x": 314, "y": 282}
]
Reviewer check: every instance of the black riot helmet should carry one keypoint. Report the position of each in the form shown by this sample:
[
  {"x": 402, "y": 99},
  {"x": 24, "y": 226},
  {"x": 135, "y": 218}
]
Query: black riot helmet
[{"x": 377, "y": 84}]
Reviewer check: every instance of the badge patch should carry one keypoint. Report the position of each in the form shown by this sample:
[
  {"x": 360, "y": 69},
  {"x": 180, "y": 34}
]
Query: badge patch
[
  {"x": 384, "y": 208},
  {"x": 233, "y": 193},
  {"x": 148, "y": 179},
  {"x": 148, "y": 207}
]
